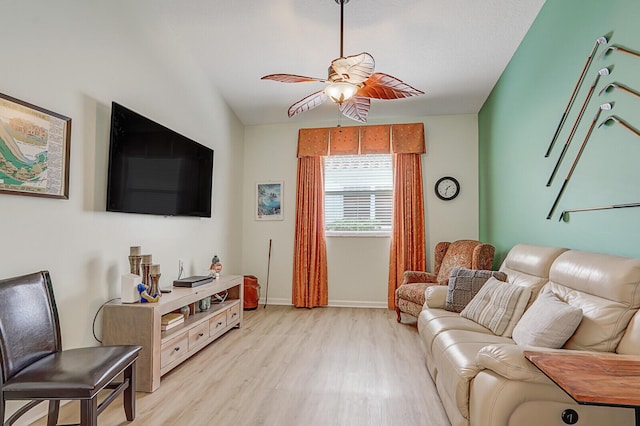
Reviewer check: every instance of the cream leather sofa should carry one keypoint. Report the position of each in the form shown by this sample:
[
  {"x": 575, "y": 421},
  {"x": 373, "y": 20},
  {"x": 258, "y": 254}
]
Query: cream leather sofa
[{"x": 484, "y": 379}]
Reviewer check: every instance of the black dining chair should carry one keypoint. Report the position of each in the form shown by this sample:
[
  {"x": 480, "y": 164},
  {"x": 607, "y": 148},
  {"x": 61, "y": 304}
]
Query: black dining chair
[{"x": 36, "y": 369}]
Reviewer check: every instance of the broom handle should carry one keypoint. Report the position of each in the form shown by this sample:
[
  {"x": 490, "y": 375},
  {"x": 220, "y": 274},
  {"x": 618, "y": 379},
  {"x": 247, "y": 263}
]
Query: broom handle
[{"x": 266, "y": 295}]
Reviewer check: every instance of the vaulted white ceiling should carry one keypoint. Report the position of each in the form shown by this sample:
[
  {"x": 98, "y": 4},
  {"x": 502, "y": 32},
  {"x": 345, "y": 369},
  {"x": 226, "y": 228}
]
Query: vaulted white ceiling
[{"x": 454, "y": 51}]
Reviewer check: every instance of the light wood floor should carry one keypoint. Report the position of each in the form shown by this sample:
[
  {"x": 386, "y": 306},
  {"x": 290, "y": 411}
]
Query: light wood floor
[{"x": 287, "y": 366}]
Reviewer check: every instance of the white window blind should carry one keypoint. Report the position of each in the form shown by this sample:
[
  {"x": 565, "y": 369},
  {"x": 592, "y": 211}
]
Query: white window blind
[{"x": 358, "y": 194}]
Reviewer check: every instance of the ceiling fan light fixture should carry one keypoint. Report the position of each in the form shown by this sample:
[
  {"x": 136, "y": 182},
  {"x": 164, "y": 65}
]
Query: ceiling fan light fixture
[
  {"x": 351, "y": 83},
  {"x": 340, "y": 91}
]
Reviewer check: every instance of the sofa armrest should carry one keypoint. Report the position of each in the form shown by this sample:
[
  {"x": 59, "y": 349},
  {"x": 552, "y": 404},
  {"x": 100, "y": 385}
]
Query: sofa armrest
[
  {"x": 435, "y": 296},
  {"x": 419, "y": 277},
  {"x": 508, "y": 361}
]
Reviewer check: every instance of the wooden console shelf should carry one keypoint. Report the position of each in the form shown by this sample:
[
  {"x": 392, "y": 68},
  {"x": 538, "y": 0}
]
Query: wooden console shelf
[{"x": 139, "y": 324}]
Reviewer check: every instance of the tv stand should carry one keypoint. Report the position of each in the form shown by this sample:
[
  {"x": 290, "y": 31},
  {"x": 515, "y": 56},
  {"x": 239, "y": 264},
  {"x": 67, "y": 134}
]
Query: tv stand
[{"x": 139, "y": 324}]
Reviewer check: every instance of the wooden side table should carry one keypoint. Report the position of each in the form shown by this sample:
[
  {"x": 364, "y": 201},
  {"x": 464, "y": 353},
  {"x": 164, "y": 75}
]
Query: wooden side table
[{"x": 593, "y": 378}]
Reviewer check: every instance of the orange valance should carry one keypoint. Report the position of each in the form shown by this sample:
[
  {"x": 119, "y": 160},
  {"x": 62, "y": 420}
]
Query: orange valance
[
  {"x": 344, "y": 141},
  {"x": 316, "y": 142},
  {"x": 353, "y": 140}
]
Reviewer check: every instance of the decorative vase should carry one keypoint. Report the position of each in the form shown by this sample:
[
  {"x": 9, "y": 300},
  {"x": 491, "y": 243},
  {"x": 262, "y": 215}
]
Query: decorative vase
[
  {"x": 205, "y": 304},
  {"x": 185, "y": 311}
]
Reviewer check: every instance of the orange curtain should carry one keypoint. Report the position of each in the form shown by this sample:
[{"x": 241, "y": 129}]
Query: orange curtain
[
  {"x": 310, "y": 286},
  {"x": 407, "y": 237}
]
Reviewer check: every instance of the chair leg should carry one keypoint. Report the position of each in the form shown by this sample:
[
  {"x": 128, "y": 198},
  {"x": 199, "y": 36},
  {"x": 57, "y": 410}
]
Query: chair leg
[
  {"x": 54, "y": 409},
  {"x": 129, "y": 394},
  {"x": 399, "y": 319},
  {"x": 89, "y": 411}
]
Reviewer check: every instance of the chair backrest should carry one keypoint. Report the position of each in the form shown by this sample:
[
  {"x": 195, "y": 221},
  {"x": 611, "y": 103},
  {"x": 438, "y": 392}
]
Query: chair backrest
[
  {"x": 469, "y": 254},
  {"x": 29, "y": 327}
]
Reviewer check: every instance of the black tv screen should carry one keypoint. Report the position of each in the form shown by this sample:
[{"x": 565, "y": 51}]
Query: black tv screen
[{"x": 154, "y": 170}]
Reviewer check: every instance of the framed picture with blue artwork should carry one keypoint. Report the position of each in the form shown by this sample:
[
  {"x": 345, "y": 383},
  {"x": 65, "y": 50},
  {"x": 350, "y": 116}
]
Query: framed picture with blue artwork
[
  {"x": 269, "y": 200},
  {"x": 34, "y": 150}
]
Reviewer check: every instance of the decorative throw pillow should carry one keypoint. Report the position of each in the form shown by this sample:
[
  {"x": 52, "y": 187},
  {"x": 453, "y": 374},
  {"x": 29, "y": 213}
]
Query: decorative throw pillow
[
  {"x": 497, "y": 305},
  {"x": 464, "y": 284},
  {"x": 548, "y": 323}
]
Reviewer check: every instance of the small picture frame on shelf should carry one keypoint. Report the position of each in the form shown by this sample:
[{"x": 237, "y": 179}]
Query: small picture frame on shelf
[{"x": 269, "y": 197}]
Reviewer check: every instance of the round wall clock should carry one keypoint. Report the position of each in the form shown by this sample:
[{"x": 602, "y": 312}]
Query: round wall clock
[{"x": 447, "y": 188}]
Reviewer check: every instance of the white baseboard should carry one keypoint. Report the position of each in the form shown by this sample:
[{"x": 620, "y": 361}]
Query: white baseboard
[
  {"x": 275, "y": 301},
  {"x": 332, "y": 303},
  {"x": 357, "y": 304}
]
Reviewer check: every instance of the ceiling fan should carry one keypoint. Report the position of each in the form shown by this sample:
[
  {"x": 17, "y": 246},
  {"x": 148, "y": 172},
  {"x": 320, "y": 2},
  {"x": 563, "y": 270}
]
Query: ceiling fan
[{"x": 351, "y": 83}]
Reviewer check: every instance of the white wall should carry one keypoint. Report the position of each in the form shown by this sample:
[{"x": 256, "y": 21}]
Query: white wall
[
  {"x": 75, "y": 58},
  {"x": 358, "y": 267}
]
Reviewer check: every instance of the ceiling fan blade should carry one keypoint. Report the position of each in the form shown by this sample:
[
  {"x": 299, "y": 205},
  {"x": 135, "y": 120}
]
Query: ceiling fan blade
[
  {"x": 385, "y": 86},
  {"x": 291, "y": 78},
  {"x": 310, "y": 102},
  {"x": 354, "y": 69},
  {"x": 356, "y": 108}
]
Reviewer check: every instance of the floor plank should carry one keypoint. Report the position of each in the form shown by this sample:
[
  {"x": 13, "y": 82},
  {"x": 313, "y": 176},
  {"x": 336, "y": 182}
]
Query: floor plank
[{"x": 288, "y": 366}]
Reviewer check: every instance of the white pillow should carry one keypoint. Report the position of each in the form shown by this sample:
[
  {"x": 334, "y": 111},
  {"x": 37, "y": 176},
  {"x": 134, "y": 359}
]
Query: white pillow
[
  {"x": 548, "y": 323},
  {"x": 498, "y": 306}
]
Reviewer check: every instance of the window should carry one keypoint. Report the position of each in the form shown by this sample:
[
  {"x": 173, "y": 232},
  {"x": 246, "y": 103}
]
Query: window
[{"x": 358, "y": 194}]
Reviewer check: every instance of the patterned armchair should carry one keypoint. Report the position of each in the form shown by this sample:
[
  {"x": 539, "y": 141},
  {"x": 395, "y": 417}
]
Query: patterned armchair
[{"x": 468, "y": 254}]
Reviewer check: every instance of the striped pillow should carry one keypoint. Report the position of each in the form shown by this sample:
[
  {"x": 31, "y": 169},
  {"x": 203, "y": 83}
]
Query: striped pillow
[{"x": 498, "y": 306}]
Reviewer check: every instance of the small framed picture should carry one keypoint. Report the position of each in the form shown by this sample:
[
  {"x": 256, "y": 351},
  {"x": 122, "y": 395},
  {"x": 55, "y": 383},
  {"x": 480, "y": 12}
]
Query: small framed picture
[
  {"x": 269, "y": 200},
  {"x": 34, "y": 150}
]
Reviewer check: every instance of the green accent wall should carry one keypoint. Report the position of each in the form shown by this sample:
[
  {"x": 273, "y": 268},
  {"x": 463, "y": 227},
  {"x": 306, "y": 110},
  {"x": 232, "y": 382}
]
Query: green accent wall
[{"x": 518, "y": 120}]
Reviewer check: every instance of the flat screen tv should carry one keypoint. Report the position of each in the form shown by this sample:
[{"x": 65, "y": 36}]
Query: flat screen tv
[{"x": 154, "y": 170}]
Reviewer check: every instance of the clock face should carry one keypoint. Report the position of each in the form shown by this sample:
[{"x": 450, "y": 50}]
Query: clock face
[{"x": 447, "y": 188}]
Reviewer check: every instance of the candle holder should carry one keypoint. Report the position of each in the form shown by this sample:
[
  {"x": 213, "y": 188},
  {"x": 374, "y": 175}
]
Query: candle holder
[
  {"x": 134, "y": 264},
  {"x": 154, "y": 278},
  {"x": 146, "y": 266},
  {"x": 134, "y": 260},
  {"x": 154, "y": 289}
]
